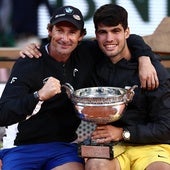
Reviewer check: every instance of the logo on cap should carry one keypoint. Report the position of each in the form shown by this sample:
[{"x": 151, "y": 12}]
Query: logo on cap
[
  {"x": 68, "y": 10},
  {"x": 77, "y": 17}
]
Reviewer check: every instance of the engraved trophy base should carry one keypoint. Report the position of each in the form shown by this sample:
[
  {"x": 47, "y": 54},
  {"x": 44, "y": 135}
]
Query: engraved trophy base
[{"x": 103, "y": 151}]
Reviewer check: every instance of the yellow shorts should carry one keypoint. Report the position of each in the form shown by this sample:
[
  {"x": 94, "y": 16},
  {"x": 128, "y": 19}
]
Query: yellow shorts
[{"x": 139, "y": 157}]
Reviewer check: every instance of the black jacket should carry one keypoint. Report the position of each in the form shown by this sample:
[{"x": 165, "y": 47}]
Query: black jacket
[
  {"x": 57, "y": 119},
  {"x": 147, "y": 117}
]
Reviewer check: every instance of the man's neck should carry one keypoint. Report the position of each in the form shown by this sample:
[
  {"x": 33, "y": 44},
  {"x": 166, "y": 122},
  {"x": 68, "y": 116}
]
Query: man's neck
[{"x": 124, "y": 54}]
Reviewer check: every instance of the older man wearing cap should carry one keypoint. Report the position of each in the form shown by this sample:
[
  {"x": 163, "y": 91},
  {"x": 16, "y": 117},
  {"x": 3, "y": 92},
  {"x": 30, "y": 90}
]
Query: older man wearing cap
[
  {"x": 35, "y": 105},
  {"x": 37, "y": 109}
]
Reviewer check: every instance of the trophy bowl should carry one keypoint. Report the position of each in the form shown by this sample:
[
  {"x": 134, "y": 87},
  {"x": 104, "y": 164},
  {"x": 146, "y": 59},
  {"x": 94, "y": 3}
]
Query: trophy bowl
[{"x": 100, "y": 105}]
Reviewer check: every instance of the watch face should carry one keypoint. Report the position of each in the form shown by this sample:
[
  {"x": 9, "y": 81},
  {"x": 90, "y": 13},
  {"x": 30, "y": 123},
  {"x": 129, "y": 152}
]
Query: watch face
[{"x": 126, "y": 135}]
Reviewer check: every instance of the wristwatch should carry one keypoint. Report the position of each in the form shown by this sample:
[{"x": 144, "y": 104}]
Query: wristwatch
[
  {"x": 126, "y": 135},
  {"x": 36, "y": 95}
]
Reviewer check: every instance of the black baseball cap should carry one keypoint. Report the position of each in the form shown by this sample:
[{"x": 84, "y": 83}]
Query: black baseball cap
[{"x": 70, "y": 14}]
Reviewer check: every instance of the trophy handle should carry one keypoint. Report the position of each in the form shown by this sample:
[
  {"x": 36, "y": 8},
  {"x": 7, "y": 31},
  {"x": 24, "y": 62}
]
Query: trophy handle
[
  {"x": 69, "y": 89},
  {"x": 130, "y": 93}
]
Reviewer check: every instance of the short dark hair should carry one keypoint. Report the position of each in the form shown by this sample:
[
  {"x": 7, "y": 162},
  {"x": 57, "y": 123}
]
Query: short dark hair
[{"x": 111, "y": 15}]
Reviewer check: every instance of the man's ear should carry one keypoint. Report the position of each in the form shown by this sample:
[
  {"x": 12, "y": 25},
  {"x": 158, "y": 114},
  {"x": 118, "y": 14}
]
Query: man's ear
[
  {"x": 127, "y": 32},
  {"x": 49, "y": 33},
  {"x": 81, "y": 37}
]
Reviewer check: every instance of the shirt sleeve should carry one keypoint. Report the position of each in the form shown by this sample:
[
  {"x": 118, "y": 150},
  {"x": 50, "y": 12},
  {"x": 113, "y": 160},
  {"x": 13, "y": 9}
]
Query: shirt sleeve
[
  {"x": 17, "y": 100},
  {"x": 139, "y": 48},
  {"x": 156, "y": 128}
]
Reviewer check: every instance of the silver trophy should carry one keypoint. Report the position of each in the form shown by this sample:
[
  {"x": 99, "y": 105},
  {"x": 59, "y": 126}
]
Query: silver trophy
[{"x": 100, "y": 105}]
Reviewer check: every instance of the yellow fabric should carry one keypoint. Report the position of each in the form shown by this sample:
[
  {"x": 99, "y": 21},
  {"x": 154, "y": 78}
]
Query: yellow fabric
[
  {"x": 139, "y": 157},
  {"x": 118, "y": 149}
]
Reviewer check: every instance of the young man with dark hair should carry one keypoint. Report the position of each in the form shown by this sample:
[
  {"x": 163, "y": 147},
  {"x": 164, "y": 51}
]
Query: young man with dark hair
[{"x": 145, "y": 125}]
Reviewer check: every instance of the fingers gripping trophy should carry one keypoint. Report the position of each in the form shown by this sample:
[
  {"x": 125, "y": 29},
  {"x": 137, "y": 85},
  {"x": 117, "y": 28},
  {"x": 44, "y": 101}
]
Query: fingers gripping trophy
[{"x": 100, "y": 105}]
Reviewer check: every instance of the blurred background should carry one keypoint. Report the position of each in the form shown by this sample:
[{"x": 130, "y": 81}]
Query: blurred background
[{"x": 27, "y": 20}]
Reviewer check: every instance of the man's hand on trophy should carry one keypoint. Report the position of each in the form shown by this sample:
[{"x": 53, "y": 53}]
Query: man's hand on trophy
[{"x": 106, "y": 134}]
